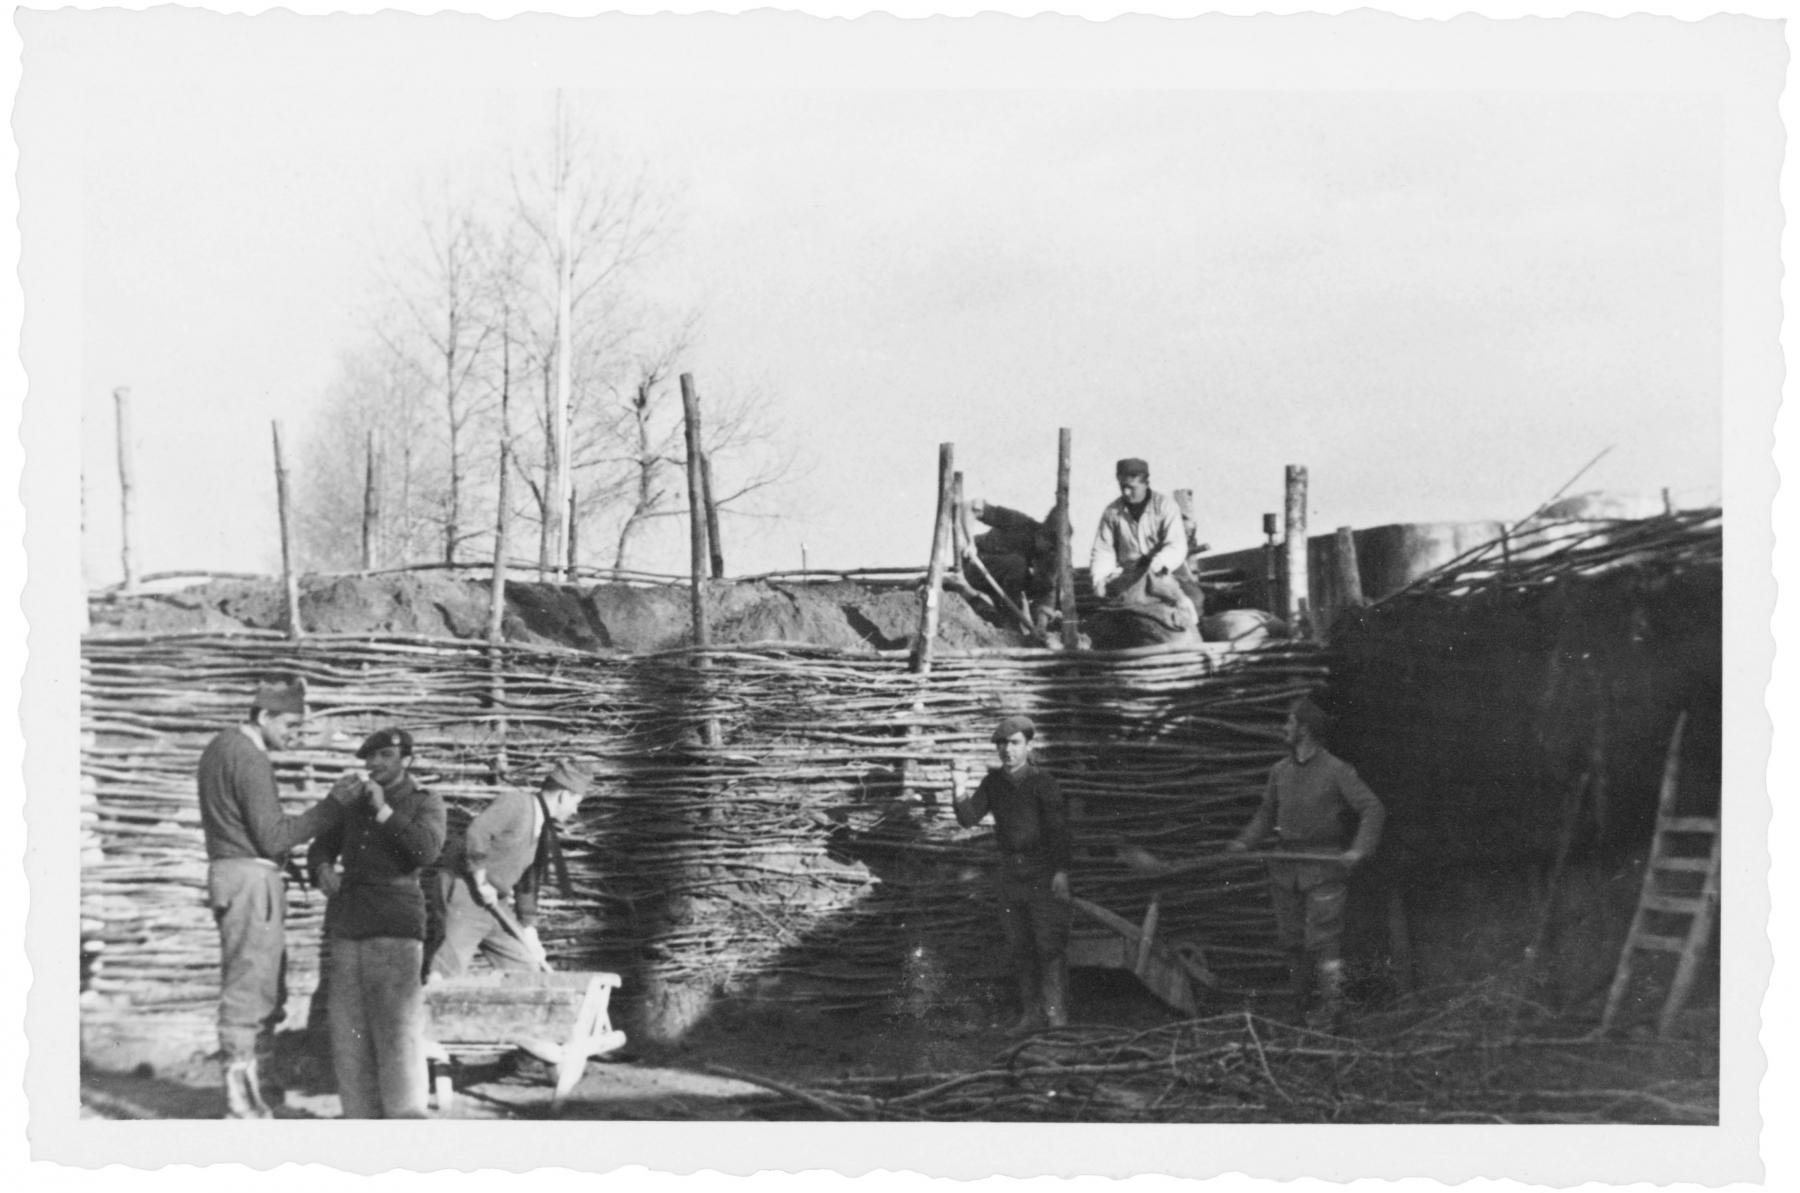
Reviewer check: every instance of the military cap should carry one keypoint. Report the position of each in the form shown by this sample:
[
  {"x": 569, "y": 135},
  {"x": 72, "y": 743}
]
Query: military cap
[
  {"x": 1014, "y": 724},
  {"x": 381, "y": 739},
  {"x": 1132, "y": 466},
  {"x": 281, "y": 695},
  {"x": 570, "y": 777}
]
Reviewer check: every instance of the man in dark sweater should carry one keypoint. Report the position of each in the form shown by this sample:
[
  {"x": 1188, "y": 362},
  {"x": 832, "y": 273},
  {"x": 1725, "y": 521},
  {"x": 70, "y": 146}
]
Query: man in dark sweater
[
  {"x": 1032, "y": 830},
  {"x": 247, "y": 842},
  {"x": 505, "y": 853},
  {"x": 1310, "y": 794},
  {"x": 368, "y": 865}
]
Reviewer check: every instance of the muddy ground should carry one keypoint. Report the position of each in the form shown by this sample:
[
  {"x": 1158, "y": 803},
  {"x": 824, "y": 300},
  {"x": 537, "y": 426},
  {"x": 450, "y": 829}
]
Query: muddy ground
[{"x": 759, "y": 1063}]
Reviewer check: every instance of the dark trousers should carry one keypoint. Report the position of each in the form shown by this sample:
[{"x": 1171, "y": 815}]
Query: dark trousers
[
  {"x": 1036, "y": 924},
  {"x": 249, "y": 903}
]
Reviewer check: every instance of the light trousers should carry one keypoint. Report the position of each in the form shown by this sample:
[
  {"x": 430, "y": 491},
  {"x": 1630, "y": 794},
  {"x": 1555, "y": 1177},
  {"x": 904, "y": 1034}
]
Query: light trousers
[{"x": 378, "y": 1026}]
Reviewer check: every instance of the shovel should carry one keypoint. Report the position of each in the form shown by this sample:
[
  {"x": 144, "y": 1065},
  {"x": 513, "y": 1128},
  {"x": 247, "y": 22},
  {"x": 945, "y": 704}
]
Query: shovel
[{"x": 507, "y": 921}]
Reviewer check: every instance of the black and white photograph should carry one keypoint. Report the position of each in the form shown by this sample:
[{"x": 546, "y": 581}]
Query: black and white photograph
[{"x": 970, "y": 596}]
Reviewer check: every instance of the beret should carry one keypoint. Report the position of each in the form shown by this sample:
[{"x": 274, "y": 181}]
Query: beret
[{"x": 381, "y": 739}]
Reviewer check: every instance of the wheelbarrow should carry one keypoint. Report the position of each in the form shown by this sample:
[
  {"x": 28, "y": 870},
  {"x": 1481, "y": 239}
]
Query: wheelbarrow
[{"x": 561, "y": 1019}]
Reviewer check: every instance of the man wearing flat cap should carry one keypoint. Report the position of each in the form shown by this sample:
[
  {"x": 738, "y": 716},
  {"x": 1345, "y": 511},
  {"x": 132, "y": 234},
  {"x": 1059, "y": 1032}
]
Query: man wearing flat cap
[
  {"x": 505, "y": 854},
  {"x": 248, "y": 838},
  {"x": 368, "y": 865},
  {"x": 1031, "y": 828},
  {"x": 1310, "y": 795}
]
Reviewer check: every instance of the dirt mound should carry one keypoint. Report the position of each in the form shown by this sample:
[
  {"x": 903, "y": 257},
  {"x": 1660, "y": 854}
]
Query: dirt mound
[{"x": 619, "y": 617}]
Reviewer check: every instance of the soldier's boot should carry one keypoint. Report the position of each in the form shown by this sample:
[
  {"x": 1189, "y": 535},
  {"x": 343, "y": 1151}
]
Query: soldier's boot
[
  {"x": 1300, "y": 984},
  {"x": 1056, "y": 993},
  {"x": 243, "y": 1097},
  {"x": 1031, "y": 1015},
  {"x": 1330, "y": 1013}
]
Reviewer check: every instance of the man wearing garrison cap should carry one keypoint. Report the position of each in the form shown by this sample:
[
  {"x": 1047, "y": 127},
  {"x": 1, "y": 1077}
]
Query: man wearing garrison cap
[
  {"x": 1141, "y": 533},
  {"x": 1309, "y": 795},
  {"x": 1031, "y": 828},
  {"x": 505, "y": 852},
  {"x": 248, "y": 837},
  {"x": 368, "y": 865}
]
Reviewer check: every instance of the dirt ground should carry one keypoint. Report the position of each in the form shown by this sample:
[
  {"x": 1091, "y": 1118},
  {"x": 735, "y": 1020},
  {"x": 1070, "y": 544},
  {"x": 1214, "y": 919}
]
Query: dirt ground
[
  {"x": 620, "y": 617},
  {"x": 1388, "y": 1064}
]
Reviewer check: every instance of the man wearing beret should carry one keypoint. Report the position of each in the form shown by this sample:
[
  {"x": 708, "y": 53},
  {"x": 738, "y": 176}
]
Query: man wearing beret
[
  {"x": 1031, "y": 828},
  {"x": 505, "y": 852},
  {"x": 1141, "y": 532},
  {"x": 1309, "y": 795},
  {"x": 368, "y": 865},
  {"x": 247, "y": 842}
]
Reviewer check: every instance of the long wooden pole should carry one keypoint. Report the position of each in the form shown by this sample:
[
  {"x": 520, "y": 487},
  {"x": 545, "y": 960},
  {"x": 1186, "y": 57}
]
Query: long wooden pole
[
  {"x": 714, "y": 547},
  {"x": 127, "y": 488},
  {"x": 934, "y": 574},
  {"x": 1298, "y": 587},
  {"x": 496, "y": 627},
  {"x": 1065, "y": 550},
  {"x": 690, "y": 407},
  {"x": 371, "y": 505},
  {"x": 959, "y": 529},
  {"x": 574, "y": 533},
  {"x": 289, "y": 578}
]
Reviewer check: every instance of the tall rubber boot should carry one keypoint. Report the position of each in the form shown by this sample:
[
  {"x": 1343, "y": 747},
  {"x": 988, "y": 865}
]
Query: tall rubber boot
[
  {"x": 1056, "y": 993},
  {"x": 1031, "y": 1015},
  {"x": 1330, "y": 1014},
  {"x": 243, "y": 1098}
]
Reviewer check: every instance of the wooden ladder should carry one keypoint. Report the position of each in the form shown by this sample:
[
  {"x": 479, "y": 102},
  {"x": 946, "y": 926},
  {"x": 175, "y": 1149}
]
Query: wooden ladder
[{"x": 1665, "y": 867}]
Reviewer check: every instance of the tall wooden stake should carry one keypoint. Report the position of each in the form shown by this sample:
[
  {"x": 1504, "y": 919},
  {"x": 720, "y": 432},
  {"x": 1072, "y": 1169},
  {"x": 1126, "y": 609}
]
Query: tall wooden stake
[
  {"x": 1298, "y": 587},
  {"x": 127, "y": 487},
  {"x": 496, "y": 627},
  {"x": 1065, "y": 551},
  {"x": 574, "y": 534},
  {"x": 289, "y": 578},
  {"x": 959, "y": 529},
  {"x": 1349, "y": 574},
  {"x": 1271, "y": 569},
  {"x": 690, "y": 407},
  {"x": 371, "y": 505},
  {"x": 934, "y": 574},
  {"x": 714, "y": 547}
]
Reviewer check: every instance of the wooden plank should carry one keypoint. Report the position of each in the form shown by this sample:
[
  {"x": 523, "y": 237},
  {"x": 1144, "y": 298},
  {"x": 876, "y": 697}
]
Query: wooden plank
[
  {"x": 1695, "y": 865},
  {"x": 1688, "y": 824}
]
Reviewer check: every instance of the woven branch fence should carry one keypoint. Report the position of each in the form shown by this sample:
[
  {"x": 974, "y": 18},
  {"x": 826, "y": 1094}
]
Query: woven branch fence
[{"x": 811, "y": 857}]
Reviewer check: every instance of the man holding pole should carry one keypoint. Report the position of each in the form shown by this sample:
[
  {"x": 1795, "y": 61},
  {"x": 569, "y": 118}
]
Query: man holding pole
[
  {"x": 1032, "y": 830},
  {"x": 247, "y": 842},
  {"x": 505, "y": 852},
  {"x": 368, "y": 866},
  {"x": 1309, "y": 795}
]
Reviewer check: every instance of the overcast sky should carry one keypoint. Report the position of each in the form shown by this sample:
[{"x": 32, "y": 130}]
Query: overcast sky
[{"x": 1442, "y": 300}]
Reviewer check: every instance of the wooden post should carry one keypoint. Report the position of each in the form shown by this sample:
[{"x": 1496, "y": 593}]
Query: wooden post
[
  {"x": 1668, "y": 501},
  {"x": 690, "y": 405},
  {"x": 934, "y": 574},
  {"x": 1184, "y": 501},
  {"x": 1271, "y": 573},
  {"x": 127, "y": 487},
  {"x": 1065, "y": 562},
  {"x": 496, "y": 628},
  {"x": 715, "y": 549},
  {"x": 290, "y": 580},
  {"x": 574, "y": 534},
  {"x": 1349, "y": 575},
  {"x": 1298, "y": 588},
  {"x": 372, "y": 505},
  {"x": 502, "y": 520},
  {"x": 959, "y": 529}
]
